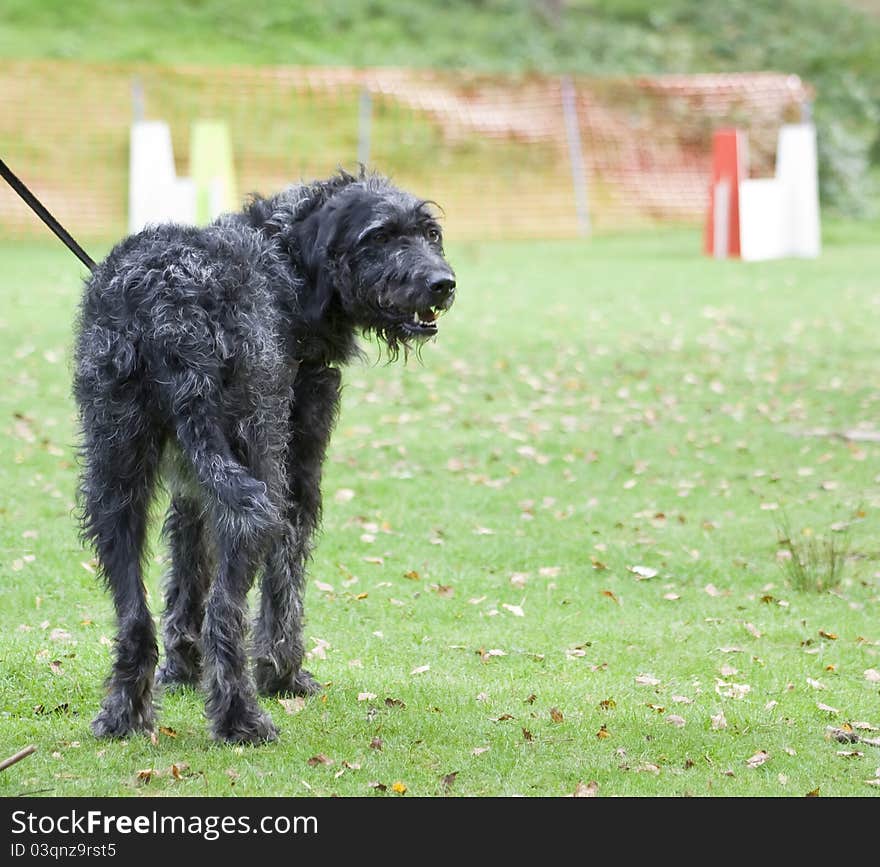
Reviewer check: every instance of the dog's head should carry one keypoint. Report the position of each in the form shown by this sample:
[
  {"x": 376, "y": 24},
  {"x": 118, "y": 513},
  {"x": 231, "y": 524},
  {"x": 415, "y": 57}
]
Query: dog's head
[{"x": 376, "y": 252}]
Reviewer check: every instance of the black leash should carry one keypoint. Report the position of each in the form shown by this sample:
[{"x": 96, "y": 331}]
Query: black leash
[{"x": 37, "y": 207}]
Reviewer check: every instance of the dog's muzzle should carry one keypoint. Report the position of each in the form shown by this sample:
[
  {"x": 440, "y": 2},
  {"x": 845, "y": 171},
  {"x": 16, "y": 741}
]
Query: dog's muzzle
[{"x": 440, "y": 295}]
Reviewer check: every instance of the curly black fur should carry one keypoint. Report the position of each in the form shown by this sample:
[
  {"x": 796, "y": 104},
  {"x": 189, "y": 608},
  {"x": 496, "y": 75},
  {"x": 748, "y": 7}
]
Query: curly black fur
[{"x": 209, "y": 357}]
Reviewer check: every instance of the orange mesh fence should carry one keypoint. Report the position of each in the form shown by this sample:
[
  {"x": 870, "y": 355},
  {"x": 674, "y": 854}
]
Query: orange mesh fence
[{"x": 495, "y": 151}]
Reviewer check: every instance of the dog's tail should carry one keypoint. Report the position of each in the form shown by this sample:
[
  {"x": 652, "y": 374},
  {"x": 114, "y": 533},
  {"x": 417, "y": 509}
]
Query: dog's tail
[{"x": 242, "y": 506}]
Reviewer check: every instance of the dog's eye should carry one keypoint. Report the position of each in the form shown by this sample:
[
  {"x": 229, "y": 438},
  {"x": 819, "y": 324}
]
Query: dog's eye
[
  {"x": 380, "y": 237},
  {"x": 433, "y": 235}
]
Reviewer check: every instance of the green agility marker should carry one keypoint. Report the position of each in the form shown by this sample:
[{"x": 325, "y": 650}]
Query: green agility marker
[{"x": 212, "y": 170}]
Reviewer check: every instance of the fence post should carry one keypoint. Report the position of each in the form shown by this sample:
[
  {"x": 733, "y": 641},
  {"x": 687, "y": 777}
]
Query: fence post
[
  {"x": 365, "y": 116},
  {"x": 137, "y": 99},
  {"x": 576, "y": 156}
]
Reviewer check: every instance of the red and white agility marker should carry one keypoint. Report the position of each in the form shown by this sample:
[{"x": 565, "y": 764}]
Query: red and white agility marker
[
  {"x": 766, "y": 218},
  {"x": 730, "y": 165}
]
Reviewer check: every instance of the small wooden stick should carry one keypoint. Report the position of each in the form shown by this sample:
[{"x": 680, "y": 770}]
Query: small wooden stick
[{"x": 21, "y": 754}]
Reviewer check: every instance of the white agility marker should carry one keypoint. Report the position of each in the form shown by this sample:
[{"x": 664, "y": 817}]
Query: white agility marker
[
  {"x": 155, "y": 193},
  {"x": 779, "y": 216},
  {"x": 797, "y": 170}
]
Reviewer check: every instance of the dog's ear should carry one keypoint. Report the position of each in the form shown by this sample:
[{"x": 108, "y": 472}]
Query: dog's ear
[
  {"x": 316, "y": 243},
  {"x": 322, "y": 240}
]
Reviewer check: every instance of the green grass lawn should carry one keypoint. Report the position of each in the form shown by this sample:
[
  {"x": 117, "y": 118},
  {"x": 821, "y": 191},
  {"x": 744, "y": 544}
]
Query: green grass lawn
[{"x": 591, "y": 411}]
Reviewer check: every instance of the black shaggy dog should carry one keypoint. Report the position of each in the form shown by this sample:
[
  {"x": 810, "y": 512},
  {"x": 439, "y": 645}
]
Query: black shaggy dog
[{"x": 210, "y": 356}]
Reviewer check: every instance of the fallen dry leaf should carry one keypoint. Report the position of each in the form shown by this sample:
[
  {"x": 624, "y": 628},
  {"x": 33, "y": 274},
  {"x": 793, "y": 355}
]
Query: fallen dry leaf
[
  {"x": 675, "y": 720},
  {"x": 586, "y": 790},
  {"x": 478, "y": 751},
  {"x": 292, "y": 705},
  {"x": 366, "y": 696},
  {"x": 719, "y": 721},
  {"x": 556, "y": 715},
  {"x": 815, "y": 683},
  {"x": 448, "y": 780},
  {"x": 421, "y": 669},
  {"x": 399, "y": 787},
  {"x": 642, "y": 573},
  {"x": 827, "y": 708},
  {"x": 758, "y": 759},
  {"x": 319, "y": 759},
  {"x": 831, "y": 636},
  {"x": 515, "y": 610},
  {"x": 732, "y": 690},
  {"x": 376, "y": 743},
  {"x": 752, "y": 630},
  {"x": 603, "y": 732},
  {"x": 647, "y": 680},
  {"x": 872, "y": 675}
]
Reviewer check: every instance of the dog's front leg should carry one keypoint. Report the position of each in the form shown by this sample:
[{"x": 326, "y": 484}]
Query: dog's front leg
[{"x": 278, "y": 641}]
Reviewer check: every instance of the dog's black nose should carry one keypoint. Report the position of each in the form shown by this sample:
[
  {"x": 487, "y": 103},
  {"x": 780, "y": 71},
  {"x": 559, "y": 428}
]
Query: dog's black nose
[{"x": 441, "y": 284}]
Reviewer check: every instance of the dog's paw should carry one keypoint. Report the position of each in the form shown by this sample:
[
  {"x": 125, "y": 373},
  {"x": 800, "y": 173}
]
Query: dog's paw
[
  {"x": 270, "y": 682},
  {"x": 172, "y": 679},
  {"x": 253, "y": 727},
  {"x": 117, "y": 721},
  {"x": 304, "y": 684}
]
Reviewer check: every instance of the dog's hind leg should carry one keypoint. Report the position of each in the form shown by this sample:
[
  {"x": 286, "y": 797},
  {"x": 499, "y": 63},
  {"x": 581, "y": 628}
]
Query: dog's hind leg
[
  {"x": 186, "y": 587},
  {"x": 278, "y": 641},
  {"x": 243, "y": 522},
  {"x": 119, "y": 469},
  {"x": 243, "y": 519},
  {"x": 231, "y": 696}
]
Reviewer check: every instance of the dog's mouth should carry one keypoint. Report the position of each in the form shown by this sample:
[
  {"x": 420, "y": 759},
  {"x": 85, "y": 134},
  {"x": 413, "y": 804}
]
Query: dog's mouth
[{"x": 423, "y": 322}]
